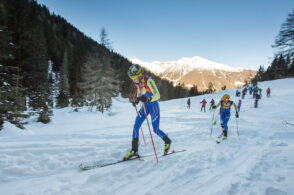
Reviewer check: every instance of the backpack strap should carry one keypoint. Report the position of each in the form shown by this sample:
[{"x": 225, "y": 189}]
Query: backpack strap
[{"x": 145, "y": 79}]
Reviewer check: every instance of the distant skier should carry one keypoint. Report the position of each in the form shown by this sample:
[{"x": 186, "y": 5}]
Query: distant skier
[
  {"x": 203, "y": 102},
  {"x": 225, "y": 113},
  {"x": 250, "y": 90},
  {"x": 148, "y": 94},
  {"x": 257, "y": 97},
  {"x": 239, "y": 105},
  {"x": 237, "y": 93},
  {"x": 211, "y": 104},
  {"x": 188, "y": 103},
  {"x": 244, "y": 92},
  {"x": 260, "y": 92},
  {"x": 255, "y": 91},
  {"x": 268, "y": 92}
]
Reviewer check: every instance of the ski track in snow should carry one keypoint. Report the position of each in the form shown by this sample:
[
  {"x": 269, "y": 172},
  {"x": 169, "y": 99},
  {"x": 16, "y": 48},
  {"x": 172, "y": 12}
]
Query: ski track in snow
[{"x": 44, "y": 159}]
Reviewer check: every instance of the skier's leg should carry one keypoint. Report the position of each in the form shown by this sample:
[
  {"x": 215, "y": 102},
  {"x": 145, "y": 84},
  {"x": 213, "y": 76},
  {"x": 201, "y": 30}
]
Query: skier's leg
[
  {"x": 224, "y": 123},
  {"x": 155, "y": 117},
  {"x": 135, "y": 141},
  {"x": 138, "y": 122}
]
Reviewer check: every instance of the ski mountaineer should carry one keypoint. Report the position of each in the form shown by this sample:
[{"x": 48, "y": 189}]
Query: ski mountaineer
[
  {"x": 188, "y": 103},
  {"x": 203, "y": 102},
  {"x": 239, "y": 105},
  {"x": 148, "y": 94},
  {"x": 225, "y": 113},
  {"x": 211, "y": 104},
  {"x": 268, "y": 92}
]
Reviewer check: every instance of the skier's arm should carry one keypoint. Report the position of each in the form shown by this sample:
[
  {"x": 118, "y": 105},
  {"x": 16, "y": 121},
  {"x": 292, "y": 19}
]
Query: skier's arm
[
  {"x": 235, "y": 106},
  {"x": 154, "y": 90},
  {"x": 236, "y": 109}
]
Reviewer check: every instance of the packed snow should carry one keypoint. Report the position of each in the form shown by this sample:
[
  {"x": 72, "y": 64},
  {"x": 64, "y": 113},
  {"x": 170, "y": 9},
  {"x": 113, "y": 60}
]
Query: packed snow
[{"x": 44, "y": 159}]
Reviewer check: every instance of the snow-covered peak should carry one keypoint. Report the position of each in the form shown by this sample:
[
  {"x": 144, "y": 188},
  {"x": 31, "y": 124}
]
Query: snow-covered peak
[{"x": 185, "y": 65}]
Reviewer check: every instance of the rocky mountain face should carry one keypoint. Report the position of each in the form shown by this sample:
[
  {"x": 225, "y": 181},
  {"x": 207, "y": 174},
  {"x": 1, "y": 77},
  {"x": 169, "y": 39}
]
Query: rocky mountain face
[{"x": 199, "y": 71}]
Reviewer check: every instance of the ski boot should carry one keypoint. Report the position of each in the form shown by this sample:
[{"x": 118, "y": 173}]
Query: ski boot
[
  {"x": 167, "y": 142},
  {"x": 225, "y": 135},
  {"x": 134, "y": 150},
  {"x": 131, "y": 154}
]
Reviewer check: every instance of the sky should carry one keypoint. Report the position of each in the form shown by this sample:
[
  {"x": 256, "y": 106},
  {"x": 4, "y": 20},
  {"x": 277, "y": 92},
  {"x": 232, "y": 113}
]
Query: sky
[{"x": 236, "y": 33}]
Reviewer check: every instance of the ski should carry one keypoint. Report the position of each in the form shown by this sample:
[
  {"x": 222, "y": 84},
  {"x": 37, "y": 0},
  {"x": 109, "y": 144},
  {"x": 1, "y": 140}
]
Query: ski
[
  {"x": 287, "y": 123},
  {"x": 220, "y": 141},
  {"x": 169, "y": 153},
  {"x": 174, "y": 151},
  {"x": 219, "y": 138},
  {"x": 140, "y": 157},
  {"x": 88, "y": 167}
]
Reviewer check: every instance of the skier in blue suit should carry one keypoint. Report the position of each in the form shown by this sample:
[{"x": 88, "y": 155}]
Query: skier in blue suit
[
  {"x": 148, "y": 94},
  {"x": 225, "y": 113}
]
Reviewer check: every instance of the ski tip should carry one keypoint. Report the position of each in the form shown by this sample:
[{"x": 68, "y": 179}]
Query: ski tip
[{"x": 82, "y": 167}]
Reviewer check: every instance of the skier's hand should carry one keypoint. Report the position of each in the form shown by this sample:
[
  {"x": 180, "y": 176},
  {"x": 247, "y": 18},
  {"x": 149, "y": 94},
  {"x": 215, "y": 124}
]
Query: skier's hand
[
  {"x": 237, "y": 115},
  {"x": 143, "y": 98},
  {"x": 134, "y": 103},
  {"x": 213, "y": 107}
]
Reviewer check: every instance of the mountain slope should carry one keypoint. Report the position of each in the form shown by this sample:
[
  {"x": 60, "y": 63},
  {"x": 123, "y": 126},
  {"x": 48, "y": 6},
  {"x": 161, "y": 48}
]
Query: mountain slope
[
  {"x": 44, "y": 159},
  {"x": 199, "y": 71}
]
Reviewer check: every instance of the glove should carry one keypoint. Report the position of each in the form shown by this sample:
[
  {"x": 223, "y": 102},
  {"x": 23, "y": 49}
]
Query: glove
[
  {"x": 143, "y": 98},
  {"x": 134, "y": 103},
  {"x": 237, "y": 115},
  {"x": 213, "y": 107}
]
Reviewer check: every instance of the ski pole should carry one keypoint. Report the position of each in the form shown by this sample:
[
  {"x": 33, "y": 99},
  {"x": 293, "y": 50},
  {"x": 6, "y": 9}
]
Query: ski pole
[
  {"x": 141, "y": 127},
  {"x": 212, "y": 122},
  {"x": 150, "y": 132},
  {"x": 237, "y": 126}
]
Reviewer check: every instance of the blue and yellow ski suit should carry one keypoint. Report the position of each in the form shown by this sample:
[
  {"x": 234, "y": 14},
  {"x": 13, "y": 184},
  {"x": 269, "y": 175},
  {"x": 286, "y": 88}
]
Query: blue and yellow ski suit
[
  {"x": 148, "y": 88},
  {"x": 225, "y": 112}
]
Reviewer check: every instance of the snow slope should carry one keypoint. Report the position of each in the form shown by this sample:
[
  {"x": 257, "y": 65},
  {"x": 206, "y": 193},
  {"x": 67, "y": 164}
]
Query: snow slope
[{"x": 44, "y": 159}]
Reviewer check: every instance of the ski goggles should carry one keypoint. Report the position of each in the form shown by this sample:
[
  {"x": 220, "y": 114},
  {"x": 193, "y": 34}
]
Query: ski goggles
[
  {"x": 134, "y": 77},
  {"x": 225, "y": 98}
]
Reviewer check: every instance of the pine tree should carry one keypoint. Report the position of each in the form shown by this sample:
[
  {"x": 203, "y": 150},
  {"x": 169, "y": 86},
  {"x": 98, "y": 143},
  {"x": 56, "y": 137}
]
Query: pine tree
[
  {"x": 63, "y": 83},
  {"x": 210, "y": 87},
  {"x": 193, "y": 91},
  {"x": 282, "y": 67},
  {"x": 291, "y": 70}
]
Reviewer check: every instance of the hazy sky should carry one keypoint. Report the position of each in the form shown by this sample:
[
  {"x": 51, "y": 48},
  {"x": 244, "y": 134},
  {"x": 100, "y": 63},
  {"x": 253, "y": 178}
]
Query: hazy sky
[{"x": 238, "y": 33}]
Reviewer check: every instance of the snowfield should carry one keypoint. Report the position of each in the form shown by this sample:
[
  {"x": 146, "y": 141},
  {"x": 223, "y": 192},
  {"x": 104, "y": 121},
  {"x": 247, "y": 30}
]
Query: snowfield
[{"x": 44, "y": 159}]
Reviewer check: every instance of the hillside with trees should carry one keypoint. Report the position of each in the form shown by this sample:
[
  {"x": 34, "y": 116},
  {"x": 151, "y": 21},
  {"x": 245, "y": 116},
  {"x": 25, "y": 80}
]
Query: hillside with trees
[
  {"x": 282, "y": 65},
  {"x": 45, "y": 62}
]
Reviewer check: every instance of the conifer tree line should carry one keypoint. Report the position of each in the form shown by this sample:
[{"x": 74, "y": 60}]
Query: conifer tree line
[
  {"x": 45, "y": 62},
  {"x": 282, "y": 65}
]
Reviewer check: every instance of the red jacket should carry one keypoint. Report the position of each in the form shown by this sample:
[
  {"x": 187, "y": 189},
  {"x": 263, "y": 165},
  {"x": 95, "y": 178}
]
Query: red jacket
[{"x": 203, "y": 102}]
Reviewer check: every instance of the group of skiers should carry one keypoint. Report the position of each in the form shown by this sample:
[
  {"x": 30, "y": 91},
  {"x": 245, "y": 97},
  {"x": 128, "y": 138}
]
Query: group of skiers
[
  {"x": 256, "y": 93},
  {"x": 147, "y": 93}
]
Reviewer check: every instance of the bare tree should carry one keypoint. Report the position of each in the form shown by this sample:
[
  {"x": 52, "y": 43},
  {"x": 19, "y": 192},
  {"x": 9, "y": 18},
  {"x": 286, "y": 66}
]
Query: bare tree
[
  {"x": 285, "y": 39},
  {"x": 104, "y": 40}
]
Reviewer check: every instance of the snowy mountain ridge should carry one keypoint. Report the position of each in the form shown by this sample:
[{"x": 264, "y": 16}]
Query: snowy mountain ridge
[
  {"x": 185, "y": 65},
  {"x": 198, "y": 71}
]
